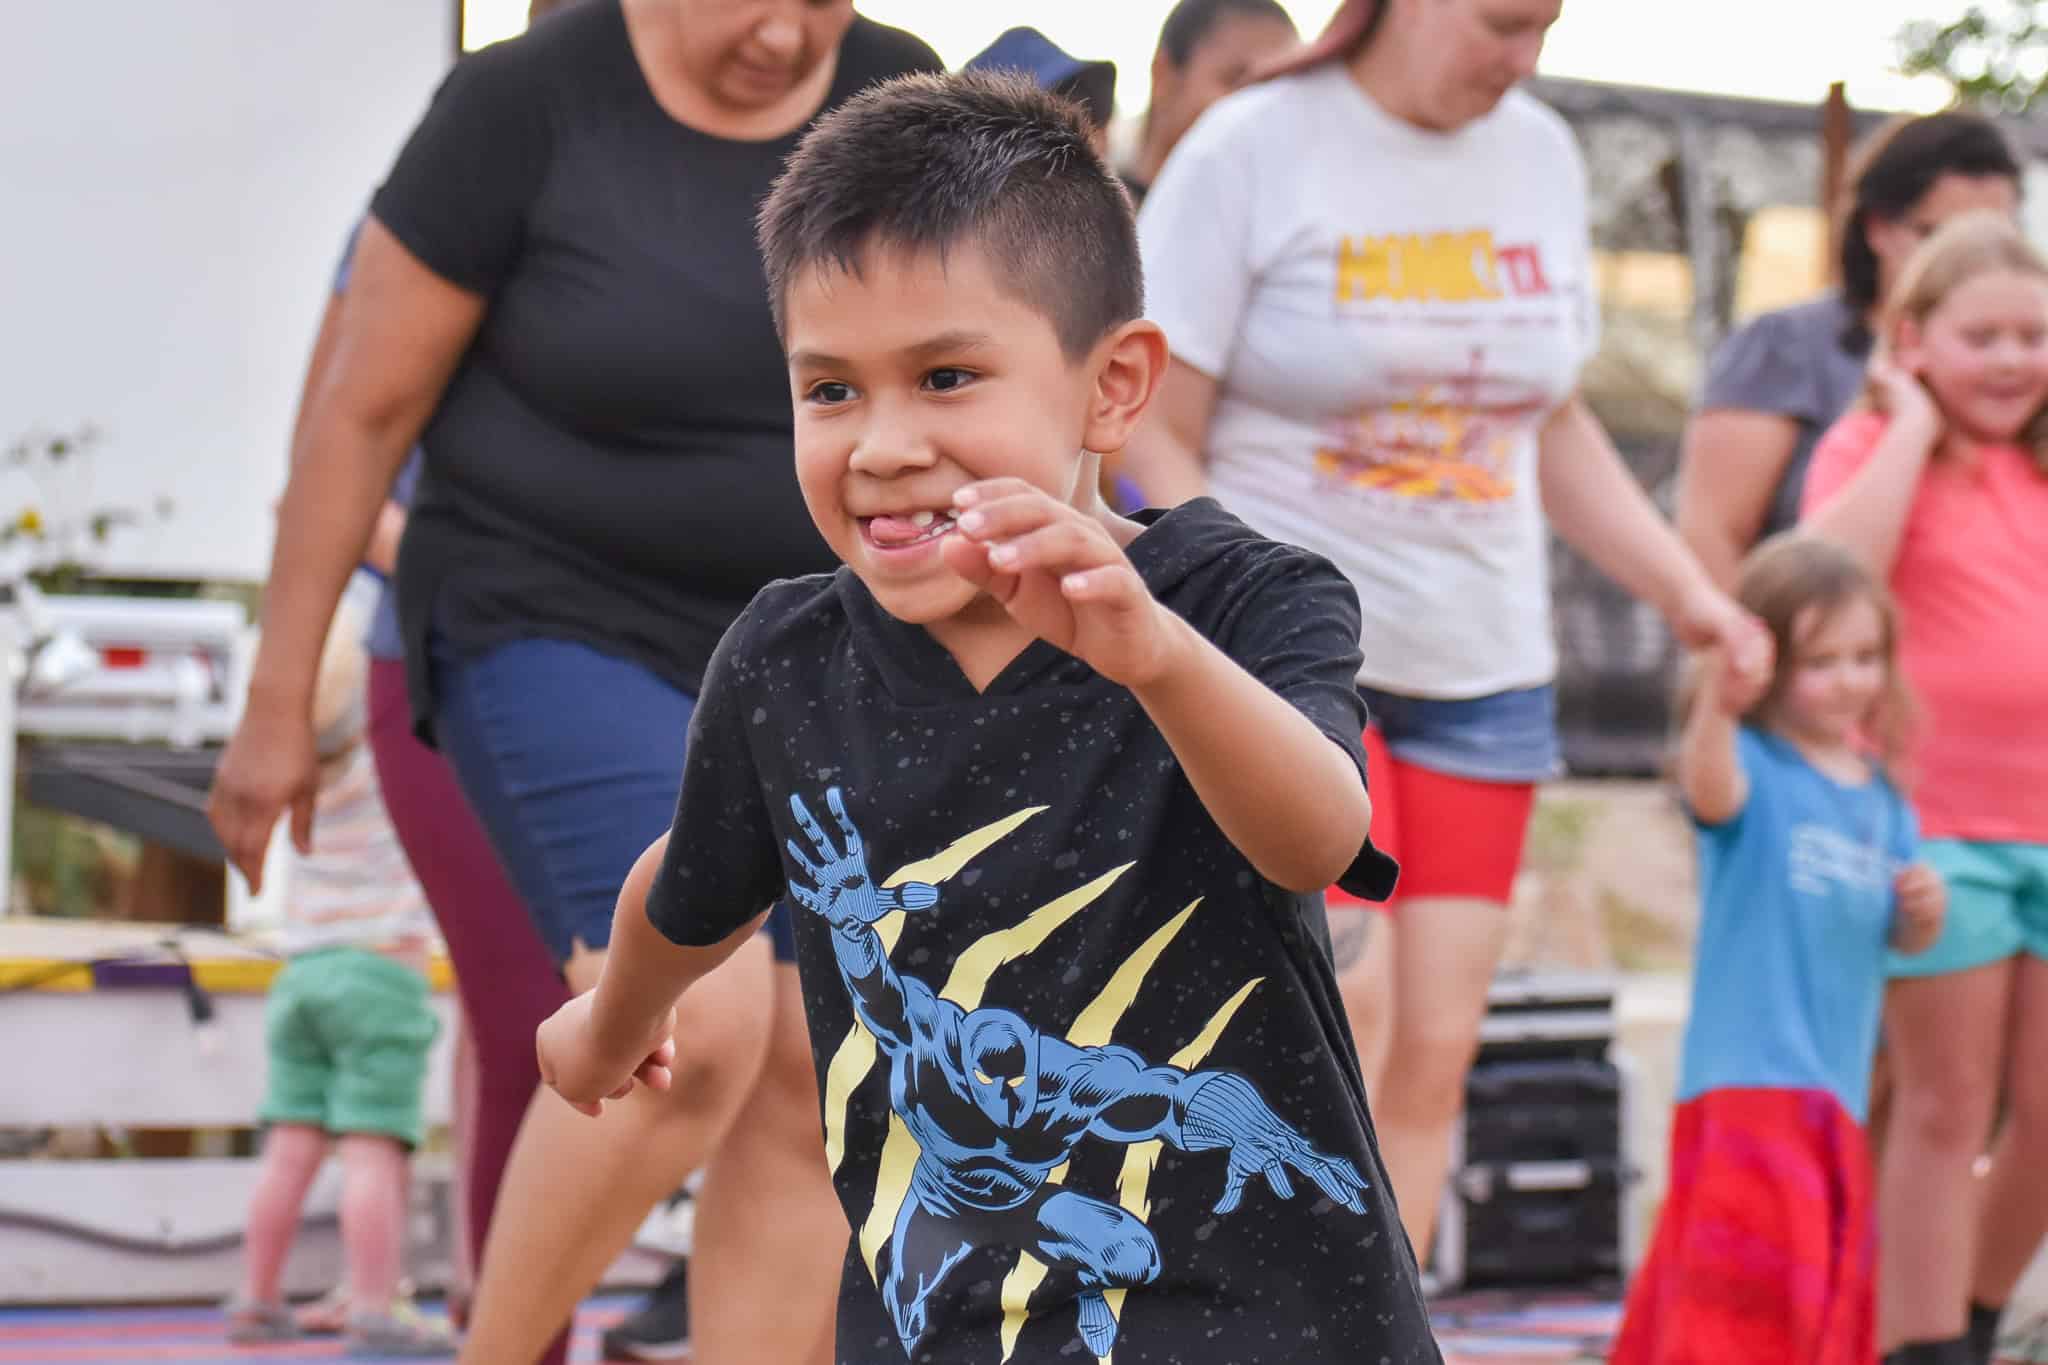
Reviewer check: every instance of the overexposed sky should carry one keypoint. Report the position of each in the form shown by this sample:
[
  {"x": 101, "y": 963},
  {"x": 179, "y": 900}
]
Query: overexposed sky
[{"x": 1767, "y": 49}]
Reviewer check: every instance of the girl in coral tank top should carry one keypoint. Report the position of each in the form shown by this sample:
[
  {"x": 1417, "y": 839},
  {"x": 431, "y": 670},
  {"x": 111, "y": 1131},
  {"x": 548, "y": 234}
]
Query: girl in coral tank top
[{"x": 1941, "y": 487}]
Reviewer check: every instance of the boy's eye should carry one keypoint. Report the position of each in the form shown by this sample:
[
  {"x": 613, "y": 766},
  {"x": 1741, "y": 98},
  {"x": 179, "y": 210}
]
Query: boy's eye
[
  {"x": 829, "y": 391},
  {"x": 947, "y": 378}
]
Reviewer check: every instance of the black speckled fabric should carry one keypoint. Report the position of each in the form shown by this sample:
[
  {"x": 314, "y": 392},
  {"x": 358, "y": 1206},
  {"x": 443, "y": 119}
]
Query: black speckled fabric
[{"x": 1086, "y": 1081}]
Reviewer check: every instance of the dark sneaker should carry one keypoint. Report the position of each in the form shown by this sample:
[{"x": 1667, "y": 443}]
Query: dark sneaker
[{"x": 660, "y": 1330}]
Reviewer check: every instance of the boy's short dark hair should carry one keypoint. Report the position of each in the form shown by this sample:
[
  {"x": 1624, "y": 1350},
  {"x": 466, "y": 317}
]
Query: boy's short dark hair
[{"x": 924, "y": 162}]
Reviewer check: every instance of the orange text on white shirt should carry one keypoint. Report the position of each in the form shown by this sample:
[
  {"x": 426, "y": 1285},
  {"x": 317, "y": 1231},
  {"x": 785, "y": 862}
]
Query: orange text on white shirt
[{"x": 1438, "y": 267}]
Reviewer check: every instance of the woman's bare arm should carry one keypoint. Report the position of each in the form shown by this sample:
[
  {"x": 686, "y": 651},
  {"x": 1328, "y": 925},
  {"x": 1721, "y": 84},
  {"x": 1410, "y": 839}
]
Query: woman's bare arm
[
  {"x": 400, "y": 332},
  {"x": 1729, "y": 470}
]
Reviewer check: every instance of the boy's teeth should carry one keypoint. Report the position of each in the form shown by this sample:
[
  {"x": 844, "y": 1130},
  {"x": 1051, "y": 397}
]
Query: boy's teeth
[{"x": 921, "y": 519}]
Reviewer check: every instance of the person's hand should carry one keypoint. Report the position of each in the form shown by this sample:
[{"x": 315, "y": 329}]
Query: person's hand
[
  {"x": 1922, "y": 905},
  {"x": 576, "y": 1064},
  {"x": 1740, "y": 683},
  {"x": 1708, "y": 619},
  {"x": 270, "y": 766},
  {"x": 1061, "y": 576},
  {"x": 1901, "y": 394}
]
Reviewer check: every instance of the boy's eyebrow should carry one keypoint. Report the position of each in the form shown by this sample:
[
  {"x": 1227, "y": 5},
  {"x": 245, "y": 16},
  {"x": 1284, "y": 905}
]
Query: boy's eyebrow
[
  {"x": 957, "y": 340},
  {"x": 960, "y": 339}
]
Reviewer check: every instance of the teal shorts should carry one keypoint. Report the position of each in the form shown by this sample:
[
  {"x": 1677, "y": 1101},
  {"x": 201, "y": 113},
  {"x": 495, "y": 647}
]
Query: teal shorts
[
  {"x": 1997, "y": 906},
  {"x": 348, "y": 1033}
]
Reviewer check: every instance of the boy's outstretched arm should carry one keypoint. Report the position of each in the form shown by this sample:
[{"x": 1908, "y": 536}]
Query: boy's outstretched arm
[
  {"x": 1280, "y": 790},
  {"x": 595, "y": 1047}
]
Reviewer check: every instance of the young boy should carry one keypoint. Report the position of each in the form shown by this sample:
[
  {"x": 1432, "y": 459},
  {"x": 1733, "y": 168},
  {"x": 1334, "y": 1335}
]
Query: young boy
[
  {"x": 1055, "y": 795},
  {"x": 349, "y": 1027}
]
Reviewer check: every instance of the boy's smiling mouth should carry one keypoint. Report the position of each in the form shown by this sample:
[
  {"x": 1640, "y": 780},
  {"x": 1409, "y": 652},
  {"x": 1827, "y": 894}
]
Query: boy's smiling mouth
[{"x": 901, "y": 531}]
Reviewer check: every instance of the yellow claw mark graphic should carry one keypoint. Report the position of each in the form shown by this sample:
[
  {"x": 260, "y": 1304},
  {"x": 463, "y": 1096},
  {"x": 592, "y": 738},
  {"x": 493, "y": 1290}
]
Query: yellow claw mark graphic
[
  {"x": 892, "y": 1186},
  {"x": 1092, "y": 1028},
  {"x": 946, "y": 864},
  {"x": 1140, "y": 1158},
  {"x": 971, "y": 971},
  {"x": 855, "y": 1055}
]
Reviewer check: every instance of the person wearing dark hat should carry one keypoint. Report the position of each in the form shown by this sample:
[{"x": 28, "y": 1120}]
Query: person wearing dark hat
[{"x": 1090, "y": 84}]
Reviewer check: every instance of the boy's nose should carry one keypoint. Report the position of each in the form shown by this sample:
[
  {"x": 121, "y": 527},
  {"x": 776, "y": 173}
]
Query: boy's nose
[{"x": 886, "y": 448}]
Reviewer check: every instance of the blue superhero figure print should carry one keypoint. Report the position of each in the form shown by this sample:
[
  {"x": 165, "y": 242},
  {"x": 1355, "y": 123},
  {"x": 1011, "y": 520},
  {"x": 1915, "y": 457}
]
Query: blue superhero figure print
[{"x": 995, "y": 1106}]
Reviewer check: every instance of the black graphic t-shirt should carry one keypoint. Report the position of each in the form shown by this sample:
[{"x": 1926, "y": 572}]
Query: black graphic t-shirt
[{"x": 1087, "y": 1084}]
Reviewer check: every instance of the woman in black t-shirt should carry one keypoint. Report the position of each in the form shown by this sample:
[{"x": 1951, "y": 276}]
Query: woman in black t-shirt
[{"x": 557, "y": 294}]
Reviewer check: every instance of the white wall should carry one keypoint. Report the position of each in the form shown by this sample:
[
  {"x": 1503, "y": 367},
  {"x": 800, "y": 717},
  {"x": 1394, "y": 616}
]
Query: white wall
[{"x": 176, "y": 179}]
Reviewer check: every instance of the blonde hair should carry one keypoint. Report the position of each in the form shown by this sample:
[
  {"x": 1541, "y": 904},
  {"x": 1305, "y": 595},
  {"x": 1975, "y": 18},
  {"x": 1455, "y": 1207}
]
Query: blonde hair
[
  {"x": 1794, "y": 574},
  {"x": 339, "y": 687},
  {"x": 1972, "y": 244}
]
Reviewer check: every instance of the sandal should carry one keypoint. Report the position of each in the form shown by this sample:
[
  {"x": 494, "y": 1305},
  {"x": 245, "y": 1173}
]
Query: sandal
[
  {"x": 253, "y": 1323},
  {"x": 403, "y": 1331},
  {"x": 326, "y": 1316}
]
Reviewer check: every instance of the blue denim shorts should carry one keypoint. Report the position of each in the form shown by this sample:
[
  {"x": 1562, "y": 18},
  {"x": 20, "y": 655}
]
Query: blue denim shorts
[
  {"x": 571, "y": 759},
  {"x": 1507, "y": 737}
]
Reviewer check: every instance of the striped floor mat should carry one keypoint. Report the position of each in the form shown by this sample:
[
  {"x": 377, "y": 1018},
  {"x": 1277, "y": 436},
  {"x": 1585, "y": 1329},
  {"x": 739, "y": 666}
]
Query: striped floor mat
[
  {"x": 1526, "y": 1329},
  {"x": 1496, "y": 1329},
  {"x": 1478, "y": 1329},
  {"x": 1475, "y": 1331},
  {"x": 192, "y": 1336}
]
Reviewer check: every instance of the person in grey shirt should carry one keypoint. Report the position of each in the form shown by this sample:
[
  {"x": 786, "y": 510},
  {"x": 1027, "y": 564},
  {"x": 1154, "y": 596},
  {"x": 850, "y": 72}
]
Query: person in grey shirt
[{"x": 1776, "y": 384}]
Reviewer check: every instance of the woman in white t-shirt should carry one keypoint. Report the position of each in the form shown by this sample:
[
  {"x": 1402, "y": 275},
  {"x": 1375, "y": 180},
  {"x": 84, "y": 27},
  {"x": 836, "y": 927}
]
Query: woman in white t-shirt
[{"x": 1375, "y": 274}]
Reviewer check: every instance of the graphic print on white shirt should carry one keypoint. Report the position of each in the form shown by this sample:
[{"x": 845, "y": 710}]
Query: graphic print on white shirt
[{"x": 1390, "y": 315}]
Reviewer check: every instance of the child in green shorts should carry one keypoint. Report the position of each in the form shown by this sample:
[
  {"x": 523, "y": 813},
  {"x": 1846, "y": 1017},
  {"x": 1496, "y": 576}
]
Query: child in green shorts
[{"x": 348, "y": 1027}]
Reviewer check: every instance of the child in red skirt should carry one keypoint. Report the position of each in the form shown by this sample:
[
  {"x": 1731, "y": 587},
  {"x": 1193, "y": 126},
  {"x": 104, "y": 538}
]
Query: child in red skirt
[{"x": 1766, "y": 1248}]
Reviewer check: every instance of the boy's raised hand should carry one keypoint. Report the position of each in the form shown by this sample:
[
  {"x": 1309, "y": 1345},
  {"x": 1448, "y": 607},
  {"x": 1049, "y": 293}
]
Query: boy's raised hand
[
  {"x": 579, "y": 1067},
  {"x": 1062, "y": 576}
]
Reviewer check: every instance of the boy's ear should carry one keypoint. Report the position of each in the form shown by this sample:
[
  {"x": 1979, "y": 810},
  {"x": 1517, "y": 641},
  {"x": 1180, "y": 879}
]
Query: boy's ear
[{"x": 1128, "y": 366}]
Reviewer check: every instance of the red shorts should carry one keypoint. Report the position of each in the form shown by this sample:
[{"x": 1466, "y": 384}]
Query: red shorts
[{"x": 1453, "y": 836}]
